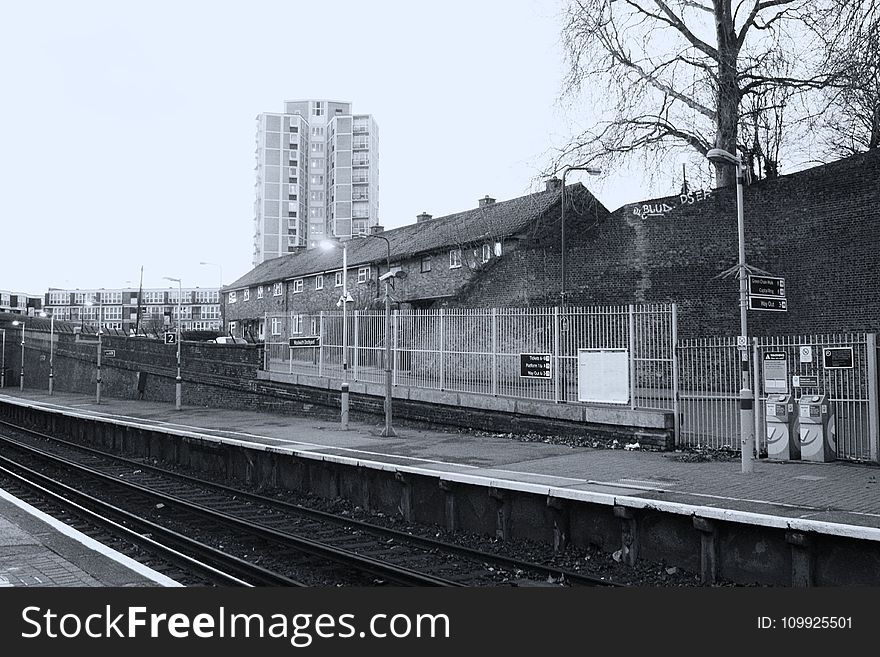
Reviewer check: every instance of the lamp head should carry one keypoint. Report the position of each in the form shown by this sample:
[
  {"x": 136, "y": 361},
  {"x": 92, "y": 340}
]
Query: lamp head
[
  {"x": 15, "y": 322},
  {"x": 721, "y": 156}
]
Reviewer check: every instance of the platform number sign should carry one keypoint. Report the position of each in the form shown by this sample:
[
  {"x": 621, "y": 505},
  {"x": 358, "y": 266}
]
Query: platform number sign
[{"x": 170, "y": 338}]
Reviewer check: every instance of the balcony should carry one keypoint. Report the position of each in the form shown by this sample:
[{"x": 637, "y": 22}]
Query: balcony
[{"x": 364, "y": 162}]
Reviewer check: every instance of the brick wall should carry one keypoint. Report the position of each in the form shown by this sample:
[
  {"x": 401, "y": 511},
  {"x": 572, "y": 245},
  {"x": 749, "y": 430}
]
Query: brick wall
[{"x": 819, "y": 229}]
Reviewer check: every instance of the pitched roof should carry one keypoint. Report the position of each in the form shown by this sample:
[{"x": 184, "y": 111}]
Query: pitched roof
[{"x": 489, "y": 222}]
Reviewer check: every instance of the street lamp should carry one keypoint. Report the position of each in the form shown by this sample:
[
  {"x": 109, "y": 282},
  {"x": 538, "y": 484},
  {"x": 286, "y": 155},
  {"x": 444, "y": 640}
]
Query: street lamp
[
  {"x": 388, "y": 431},
  {"x": 178, "y": 380},
  {"x": 51, "y": 349},
  {"x": 343, "y": 301},
  {"x": 21, "y": 378},
  {"x": 746, "y": 398},
  {"x": 593, "y": 171},
  {"x": 100, "y": 343}
]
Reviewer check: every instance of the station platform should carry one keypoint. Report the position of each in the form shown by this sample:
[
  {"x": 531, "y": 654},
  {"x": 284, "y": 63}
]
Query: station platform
[{"x": 837, "y": 498}]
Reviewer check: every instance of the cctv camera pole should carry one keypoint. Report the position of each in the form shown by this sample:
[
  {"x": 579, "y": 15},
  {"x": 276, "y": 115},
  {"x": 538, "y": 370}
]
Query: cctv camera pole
[{"x": 344, "y": 400}]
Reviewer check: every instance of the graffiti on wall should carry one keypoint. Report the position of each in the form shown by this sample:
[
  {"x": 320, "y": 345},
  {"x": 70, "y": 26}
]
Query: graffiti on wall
[{"x": 647, "y": 210}]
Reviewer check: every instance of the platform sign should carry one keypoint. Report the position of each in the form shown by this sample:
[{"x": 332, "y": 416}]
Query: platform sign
[
  {"x": 837, "y": 358},
  {"x": 535, "y": 366},
  {"x": 306, "y": 341},
  {"x": 767, "y": 286},
  {"x": 775, "y": 372},
  {"x": 768, "y": 303},
  {"x": 170, "y": 338}
]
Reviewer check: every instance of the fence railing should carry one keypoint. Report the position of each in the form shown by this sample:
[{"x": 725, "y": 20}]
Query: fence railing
[{"x": 481, "y": 350}]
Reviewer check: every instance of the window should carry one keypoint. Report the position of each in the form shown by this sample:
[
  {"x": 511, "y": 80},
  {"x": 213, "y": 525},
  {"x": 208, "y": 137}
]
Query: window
[
  {"x": 276, "y": 326},
  {"x": 298, "y": 286},
  {"x": 363, "y": 274},
  {"x": 247, "y": 295},
  {"x": 319, "y": 282},
  {"x": 497, "y": 249},
  {"x": 230, "y": 298},
  {"x": 455, "y": 258},
  {"x": 338, "y": 279},
  {"x": 317, "y": 179},
  {"x": 276, "y": 289},
  {"x": 487, "y": 252},
  {"x": 318, "y": 108},
  {"x": 259, "y": 292},
  {"x": 296, "y": 325},
  {"x": 317, "y": 131},
  {"x": 426, "y": 264},
  {"x": 317, "y": 147}
]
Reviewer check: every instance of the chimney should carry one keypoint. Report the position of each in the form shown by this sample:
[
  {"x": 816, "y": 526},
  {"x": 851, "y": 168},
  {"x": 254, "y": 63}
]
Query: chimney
[
  {"x": 552, "y": 184},
  {"x": 374, "y": 230},
  {"x": 422, "y": 217},
  {"x": 486, "y": 201}
]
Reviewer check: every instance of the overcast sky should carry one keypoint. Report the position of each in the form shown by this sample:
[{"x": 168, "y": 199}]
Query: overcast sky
[{"x": 127, "y": 129}]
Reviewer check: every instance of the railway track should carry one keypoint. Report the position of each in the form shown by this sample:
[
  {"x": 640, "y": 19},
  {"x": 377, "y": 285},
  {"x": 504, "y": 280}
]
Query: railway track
[{"x": 300, "y": 545}]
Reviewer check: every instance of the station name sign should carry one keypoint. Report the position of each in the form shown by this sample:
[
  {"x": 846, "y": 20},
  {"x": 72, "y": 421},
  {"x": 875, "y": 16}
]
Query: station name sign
[
  {"x": 535, "y": 366},
  {"x": 306, "y": 341}
]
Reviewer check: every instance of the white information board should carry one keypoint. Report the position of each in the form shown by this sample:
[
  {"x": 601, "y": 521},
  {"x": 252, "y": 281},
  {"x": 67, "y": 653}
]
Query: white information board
[{"x": 603, "y": 376}]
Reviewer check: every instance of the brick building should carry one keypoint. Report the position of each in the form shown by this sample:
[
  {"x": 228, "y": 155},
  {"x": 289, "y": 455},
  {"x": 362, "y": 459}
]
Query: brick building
[
  {"x": 436, "y": 259},
  {"x": 818, "y": 228}
]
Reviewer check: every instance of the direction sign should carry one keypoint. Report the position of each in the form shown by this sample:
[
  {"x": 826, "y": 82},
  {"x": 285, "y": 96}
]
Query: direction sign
[
  {"x": 534, "y": 366},
  {"x": 306, "y": 341},
  {"x": 170, "y": 338},
  {"x": 767, "y": 286},
  {"x": 768, "y": 303}
]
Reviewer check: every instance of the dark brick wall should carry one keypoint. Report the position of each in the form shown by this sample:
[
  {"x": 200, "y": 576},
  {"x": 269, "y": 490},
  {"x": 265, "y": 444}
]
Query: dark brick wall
[{"x": 820, "y": 229}]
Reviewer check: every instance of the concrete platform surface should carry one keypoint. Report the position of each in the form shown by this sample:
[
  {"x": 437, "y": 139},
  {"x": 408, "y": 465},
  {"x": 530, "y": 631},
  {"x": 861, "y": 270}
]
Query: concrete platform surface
[{"x": 838, "y": 498}]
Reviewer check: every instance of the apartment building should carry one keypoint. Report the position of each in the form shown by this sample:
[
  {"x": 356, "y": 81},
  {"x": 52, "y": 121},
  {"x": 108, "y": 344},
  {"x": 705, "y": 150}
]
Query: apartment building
[
  {"x": 317, "y": 176},
  {"x": 20, "y": 303},
  {"x": 121, "y": 309}
]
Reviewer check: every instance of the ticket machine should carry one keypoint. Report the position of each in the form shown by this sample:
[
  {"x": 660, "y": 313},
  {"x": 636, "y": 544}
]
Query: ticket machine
[
  {"x": 783, "y": 441},
  {"x": 817, "y": 428}
]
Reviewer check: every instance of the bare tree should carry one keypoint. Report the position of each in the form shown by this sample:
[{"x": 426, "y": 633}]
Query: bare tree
[
  {"x": 851, "y": 120},
  {"x": 691, "y": 75}
]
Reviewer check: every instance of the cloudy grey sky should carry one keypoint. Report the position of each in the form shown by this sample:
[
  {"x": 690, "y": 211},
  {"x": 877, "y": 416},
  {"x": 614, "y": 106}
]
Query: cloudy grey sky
[{"x": 127, "y": 129}]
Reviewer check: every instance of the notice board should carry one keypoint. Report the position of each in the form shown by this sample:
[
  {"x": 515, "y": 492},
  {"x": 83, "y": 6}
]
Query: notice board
[{"x": 603, "y": 376}]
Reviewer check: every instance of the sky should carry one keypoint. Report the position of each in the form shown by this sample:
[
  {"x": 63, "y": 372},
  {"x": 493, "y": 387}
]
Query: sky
[{"x": 127, "y": 129}]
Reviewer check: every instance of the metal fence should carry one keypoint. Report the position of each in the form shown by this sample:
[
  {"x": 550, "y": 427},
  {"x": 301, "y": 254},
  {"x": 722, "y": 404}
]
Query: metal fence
[
  {"x": 709, "y": 383},
  {"x": 481, "y": 350}
]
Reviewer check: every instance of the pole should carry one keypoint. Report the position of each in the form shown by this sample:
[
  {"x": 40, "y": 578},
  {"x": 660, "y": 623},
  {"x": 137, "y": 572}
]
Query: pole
[
  {"x": 344, "y": 401},
  {"x": 51, "y": 353},
  {"x": 21, "y": 378},
  {"x": 747, "y": 399},
  {"x": 100, "y": 335},
  {"x": 178, "y": 380},
  {"x": 3, "y": 370}
]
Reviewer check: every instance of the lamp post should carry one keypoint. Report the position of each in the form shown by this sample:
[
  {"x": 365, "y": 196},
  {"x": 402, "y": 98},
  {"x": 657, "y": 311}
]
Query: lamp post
[
  {"x": 719, "y": 156},
  {"x": 100, "y": 343},
  {"x": 3, "y": 367},
  {"x": 51, "y": 350},
  {"x": 178, "y": 380},
  {"x": 593, "y": 171},
  {"x": 388, "y": 431},
  {"x": 343, "y": 300},
  {"x": 21, "y": 377}
]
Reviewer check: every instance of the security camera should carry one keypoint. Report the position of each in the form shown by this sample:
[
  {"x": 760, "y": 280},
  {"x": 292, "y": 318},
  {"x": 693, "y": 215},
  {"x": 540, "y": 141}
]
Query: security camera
[{"x": 386, "y": 276}]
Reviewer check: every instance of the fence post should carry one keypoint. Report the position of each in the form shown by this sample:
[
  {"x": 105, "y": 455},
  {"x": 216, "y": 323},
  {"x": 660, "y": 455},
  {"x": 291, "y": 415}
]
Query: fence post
[
  {"x": 873, "y": 419},
  {"x": 356, "y": 343},
  {"x": 556, "y": 354},
  {"x": 442, "y": 354},
  {"x": 676, "y": 403},
  {"x": 632, "y": 355},
  {"x": 394, "y": 333},
  {"x": 321, "y": 343},
  {"x": 495, "y": 351},
  {"x": 266, "y": 343},
  {"x": 759, "y": 405}
]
